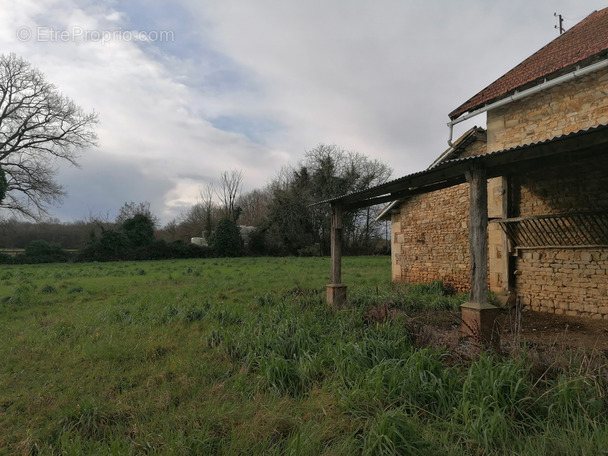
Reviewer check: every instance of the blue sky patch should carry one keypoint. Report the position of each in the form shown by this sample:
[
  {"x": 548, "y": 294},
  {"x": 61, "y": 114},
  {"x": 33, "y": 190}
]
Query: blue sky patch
[{"x": 255, "y": 129}]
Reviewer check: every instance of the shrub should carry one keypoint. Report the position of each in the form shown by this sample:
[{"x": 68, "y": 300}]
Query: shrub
[
  {"x": 309, "y": 251},
  {"x": 257, "y": 242},
  {"x": 182, "y": 249},
  {"x": 6, "y": 259},
  {"x": 139, "y": 230},
  {"x": 112, "y": 246},
  {"x": 226, "y": 239},
  {"x": 44, "y": 252}
]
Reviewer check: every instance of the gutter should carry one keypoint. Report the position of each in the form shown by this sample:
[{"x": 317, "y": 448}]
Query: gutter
[
  {"x": 385, "y": 211},
  {"x": 524, "y": 93}
]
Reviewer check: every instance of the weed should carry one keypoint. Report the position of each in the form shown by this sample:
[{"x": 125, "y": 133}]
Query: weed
[
  {"x": 497, "y": 401},
  {"x": 195, "y": 315},
  {"x": 214, "y": 338},
  {"x": 92, "y": 421},
  {"x": 48, "y": 289},
  {"x": 392, "y": 433},
  {"x": 267, "y": 299},
  {"x": 227, "y": 317},
  {"x": 282, "y": 375}
]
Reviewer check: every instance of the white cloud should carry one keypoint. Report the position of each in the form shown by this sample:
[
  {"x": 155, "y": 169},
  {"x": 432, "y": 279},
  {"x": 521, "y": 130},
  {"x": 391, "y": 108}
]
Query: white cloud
[{"x": 252, "y": 85}]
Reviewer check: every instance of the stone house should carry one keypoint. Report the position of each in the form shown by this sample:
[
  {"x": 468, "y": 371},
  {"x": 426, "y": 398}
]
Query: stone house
[{"x": 547, "y": 236}]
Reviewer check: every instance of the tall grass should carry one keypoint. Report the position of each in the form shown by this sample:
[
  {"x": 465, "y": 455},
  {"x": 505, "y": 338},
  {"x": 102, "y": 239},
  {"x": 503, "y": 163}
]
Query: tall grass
[{"x": 242, "y": 356}]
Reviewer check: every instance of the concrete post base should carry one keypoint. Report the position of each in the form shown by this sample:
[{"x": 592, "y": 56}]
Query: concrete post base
[
  {"x": 479, "y": 323},
  {"x": 336, "y": 294}
]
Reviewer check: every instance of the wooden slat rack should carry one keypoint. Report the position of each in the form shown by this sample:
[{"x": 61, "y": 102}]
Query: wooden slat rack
[{"x": 571, "y": 230}]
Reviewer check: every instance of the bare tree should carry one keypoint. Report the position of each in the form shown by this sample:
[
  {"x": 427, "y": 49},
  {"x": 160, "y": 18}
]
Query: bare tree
[
  {"x": 325, "y": 172},
  {"x": 283, "y": 179},
  {"x": 254, "y": 206},
  {"x": 3, "y": 185},
  {"x": 230, "y": 185},
  {"x": 38, "y": 128},
  {"x": 206, "y": 194}
]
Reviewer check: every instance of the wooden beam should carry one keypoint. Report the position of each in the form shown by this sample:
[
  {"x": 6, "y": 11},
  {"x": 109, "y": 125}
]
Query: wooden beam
[
  {"x": 406, "y": 193},
  {"x": 336, "y": 291},
  {"x": 507, "y": 277},
  {"x": 512, "y": 161},
  {"x": 428, "y": 178},
  {"x": 479, "y": 317},
  {"x": 336, "y": 244},
  {"x": 478, "y": 234}
]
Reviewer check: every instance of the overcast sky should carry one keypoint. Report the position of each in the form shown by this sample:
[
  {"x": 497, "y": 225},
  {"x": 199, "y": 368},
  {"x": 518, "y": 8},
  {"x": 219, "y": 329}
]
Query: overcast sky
[{"x": 187, "y": 89}]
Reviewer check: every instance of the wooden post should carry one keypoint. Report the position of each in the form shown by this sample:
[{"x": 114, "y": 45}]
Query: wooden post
[
  {"x": 478, "y": 234},
  {"x": 336, "y": 244},
  {"x": 507, "y": 278},
  {"x": 336, "y": 291},
  {"x": 478, "y": 317}
]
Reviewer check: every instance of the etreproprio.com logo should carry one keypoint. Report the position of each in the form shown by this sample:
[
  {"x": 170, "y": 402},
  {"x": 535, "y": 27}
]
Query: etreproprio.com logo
[{"x": 80, "y": 34}]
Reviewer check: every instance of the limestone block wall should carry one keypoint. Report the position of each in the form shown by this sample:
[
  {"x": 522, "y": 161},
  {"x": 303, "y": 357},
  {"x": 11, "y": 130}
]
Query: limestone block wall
[
  {"x": 430, "y": 238},
  {"x": 578, "y": 186},
  {"x": 568, "y": 107},
  {"x": 565, "y": 281},
  {"x": 479, "y": 147},
  {"x": 430, "y": 232},
  {"x": 571, "y": 282}
]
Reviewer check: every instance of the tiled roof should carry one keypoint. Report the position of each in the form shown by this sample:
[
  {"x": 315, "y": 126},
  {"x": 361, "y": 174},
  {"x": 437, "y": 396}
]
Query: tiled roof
[{"x": 582, "y": 42}]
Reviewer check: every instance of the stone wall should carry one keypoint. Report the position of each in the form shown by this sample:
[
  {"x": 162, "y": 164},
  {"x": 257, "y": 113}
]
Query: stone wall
[
  {"x": 571, "y": 281},
  {"x": 478, "y": 147},
  {"x": 430, "y": 238},
  {"x": 430, "y": 232},
  {"x": 568, "y": 107},
  {"x": 567, "y": 280},
  {"x": 578, "y": 186}
]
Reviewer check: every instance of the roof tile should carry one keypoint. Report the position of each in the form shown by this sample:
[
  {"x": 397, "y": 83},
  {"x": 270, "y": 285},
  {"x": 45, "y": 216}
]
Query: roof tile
[{"x": 582, "y": 42}]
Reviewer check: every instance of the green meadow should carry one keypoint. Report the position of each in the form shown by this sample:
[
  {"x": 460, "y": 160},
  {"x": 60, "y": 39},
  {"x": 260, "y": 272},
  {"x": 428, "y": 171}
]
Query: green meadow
[{"x": 243, "y": 356}]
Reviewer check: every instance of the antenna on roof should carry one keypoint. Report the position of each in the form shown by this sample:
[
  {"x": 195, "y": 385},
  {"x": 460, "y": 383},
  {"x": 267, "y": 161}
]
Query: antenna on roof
[{"x": 561, "y": 23}]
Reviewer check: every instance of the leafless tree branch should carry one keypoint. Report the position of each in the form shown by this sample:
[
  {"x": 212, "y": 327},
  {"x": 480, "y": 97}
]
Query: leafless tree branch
[
  {"x": 229, "y": 188},
  {"x": 38, "y": 128}
]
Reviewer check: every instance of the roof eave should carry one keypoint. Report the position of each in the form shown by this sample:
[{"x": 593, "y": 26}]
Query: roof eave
[{"x": 452, "y": 172}]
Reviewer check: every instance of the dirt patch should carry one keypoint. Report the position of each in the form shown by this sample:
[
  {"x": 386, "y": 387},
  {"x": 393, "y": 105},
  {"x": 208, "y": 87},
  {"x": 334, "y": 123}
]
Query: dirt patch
[
  {"x": 541, "y": 331},
  {"x": 551, "y": 330}
]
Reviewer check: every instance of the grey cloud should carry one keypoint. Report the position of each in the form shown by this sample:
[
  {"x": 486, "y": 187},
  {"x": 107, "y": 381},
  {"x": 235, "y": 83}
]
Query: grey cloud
[
  {"x": 253, "y": 85},
  {"x": 103, "y": 184}
]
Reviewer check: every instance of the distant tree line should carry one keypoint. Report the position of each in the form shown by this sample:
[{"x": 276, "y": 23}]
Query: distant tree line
[
  {"x": 280, "y": 219},
  {"x": 39, "y": 127},
  {"x": 284, "y": 220}
]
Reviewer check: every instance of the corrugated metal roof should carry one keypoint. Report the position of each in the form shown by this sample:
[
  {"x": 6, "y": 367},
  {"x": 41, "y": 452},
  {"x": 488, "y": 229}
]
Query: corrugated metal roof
[{"x": 390, "y": 187}]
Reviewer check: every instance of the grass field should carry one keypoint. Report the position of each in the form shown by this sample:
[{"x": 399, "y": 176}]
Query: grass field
[{"x": 242, "y": 356}]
